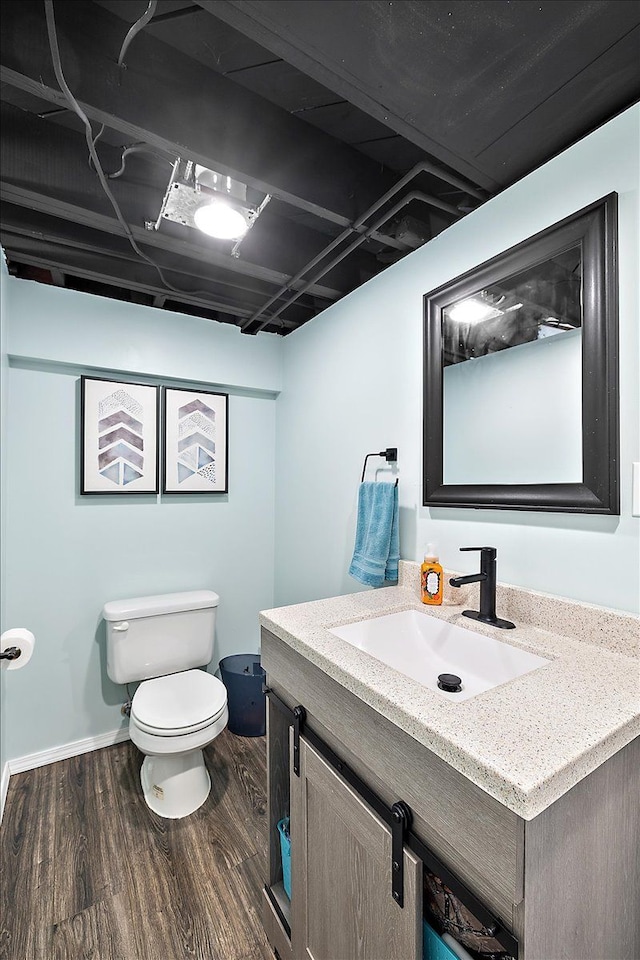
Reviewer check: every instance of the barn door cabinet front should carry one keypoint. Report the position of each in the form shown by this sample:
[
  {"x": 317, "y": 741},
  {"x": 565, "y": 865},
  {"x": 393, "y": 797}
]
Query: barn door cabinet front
[
  {"x": 342, "y": 874},
  {"x": 562, "y": 885}
]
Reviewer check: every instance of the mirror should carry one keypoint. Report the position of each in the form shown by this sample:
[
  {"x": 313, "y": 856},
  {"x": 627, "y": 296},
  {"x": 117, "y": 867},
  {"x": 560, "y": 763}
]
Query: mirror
[{"x": 520, "y": 392}]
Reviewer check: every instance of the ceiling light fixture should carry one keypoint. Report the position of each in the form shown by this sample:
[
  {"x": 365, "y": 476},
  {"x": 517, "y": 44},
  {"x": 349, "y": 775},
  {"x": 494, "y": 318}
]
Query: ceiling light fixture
[
  {"x": 218, "y": 219},
  {"x": 211, "y": 202},
  {"x": 473, "y": 311}
]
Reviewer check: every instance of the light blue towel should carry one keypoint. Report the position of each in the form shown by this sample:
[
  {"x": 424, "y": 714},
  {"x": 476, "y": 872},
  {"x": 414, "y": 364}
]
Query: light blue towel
[{"x": 377, "y": 548}]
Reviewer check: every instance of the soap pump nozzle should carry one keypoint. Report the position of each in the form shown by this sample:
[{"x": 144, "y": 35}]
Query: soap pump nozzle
[{"x": 431, "y": 553}]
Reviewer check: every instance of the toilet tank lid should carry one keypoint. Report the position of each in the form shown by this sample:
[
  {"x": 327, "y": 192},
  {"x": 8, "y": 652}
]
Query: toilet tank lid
[{"x": 157, "y": 605}]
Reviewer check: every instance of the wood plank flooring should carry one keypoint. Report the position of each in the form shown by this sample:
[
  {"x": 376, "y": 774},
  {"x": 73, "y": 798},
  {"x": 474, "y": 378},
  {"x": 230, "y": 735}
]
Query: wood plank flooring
[{"x": 90, "y": 873}]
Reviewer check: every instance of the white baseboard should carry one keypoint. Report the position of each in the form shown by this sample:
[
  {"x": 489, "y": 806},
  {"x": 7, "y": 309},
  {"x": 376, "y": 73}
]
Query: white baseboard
[
  {"x": 4, "y": 787},
  {"x": 64, "y": 752}
]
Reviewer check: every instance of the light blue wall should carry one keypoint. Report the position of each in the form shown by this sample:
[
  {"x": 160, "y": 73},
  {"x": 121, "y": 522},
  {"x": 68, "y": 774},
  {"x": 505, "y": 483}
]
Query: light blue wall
[
  {"x": 95, "y": 333},
  {"x": 353, "y": 384},
  {"x": 68, "y": 554}
]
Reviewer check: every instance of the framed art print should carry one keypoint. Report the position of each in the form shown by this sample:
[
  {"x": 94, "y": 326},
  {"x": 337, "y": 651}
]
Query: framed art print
[
  {"x": 196, "y": 441},
  {"x": 119, "y": 437}
]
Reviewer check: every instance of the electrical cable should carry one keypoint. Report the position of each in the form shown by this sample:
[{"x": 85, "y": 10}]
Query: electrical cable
[
  {"x": 57, "y": 66},
  {"x": 95, "y": 140},
  {"x": 136, "y": 28},
  {"x": 135, "y": 148}
]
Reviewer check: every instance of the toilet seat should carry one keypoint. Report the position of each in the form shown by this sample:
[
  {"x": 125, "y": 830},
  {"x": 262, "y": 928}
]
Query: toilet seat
[{"x": 178, "y": 704}]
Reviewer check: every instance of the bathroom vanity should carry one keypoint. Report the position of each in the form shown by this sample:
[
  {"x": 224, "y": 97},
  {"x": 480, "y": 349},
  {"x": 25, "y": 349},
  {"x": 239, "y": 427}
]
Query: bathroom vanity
[{"x": 523, "y": 799}]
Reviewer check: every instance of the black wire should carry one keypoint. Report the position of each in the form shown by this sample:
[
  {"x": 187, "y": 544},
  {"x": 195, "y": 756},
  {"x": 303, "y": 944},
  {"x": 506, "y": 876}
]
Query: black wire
[{"x": 57, "y": 66}]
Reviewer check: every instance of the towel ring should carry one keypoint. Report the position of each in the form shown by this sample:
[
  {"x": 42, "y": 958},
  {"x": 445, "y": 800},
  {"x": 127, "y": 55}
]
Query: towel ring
[{"x": 390, "y": 455}]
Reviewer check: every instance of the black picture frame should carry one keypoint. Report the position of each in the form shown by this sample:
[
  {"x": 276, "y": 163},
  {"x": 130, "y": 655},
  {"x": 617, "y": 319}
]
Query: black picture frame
[
  {"x": 134, "y": 433},
  {"x": 193, "y": 483},
  {"x": 595, "y": 229}
]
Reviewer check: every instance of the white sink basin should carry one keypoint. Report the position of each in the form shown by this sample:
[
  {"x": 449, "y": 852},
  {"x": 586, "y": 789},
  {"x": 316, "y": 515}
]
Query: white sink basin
[{"x": 422, "y": 647}]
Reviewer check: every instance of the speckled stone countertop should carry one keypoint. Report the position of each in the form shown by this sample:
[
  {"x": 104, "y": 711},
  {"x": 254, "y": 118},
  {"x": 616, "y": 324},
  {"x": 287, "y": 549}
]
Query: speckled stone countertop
[{"x": 525, "y": 742}]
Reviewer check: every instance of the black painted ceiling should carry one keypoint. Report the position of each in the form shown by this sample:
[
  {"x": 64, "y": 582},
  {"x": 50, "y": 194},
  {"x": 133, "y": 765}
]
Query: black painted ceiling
[{"x": 325, "y": 105}]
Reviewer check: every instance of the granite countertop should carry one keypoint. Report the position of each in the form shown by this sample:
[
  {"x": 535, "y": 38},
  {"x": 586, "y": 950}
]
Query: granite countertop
[{"x": 525, "y": 742}]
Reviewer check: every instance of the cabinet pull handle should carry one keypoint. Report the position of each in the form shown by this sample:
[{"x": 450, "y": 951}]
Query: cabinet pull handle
[
  {"x": 299, "y": 716},
  {"x": 400, "y": 823}
]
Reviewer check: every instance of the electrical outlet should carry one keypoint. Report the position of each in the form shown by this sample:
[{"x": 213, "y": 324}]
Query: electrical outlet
[{"x": 635, "y": 489}]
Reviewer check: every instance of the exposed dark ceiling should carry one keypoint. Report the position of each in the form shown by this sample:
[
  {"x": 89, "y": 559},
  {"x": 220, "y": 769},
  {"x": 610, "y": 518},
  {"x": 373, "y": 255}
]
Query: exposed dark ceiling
[{"x": 324, "y": 106}]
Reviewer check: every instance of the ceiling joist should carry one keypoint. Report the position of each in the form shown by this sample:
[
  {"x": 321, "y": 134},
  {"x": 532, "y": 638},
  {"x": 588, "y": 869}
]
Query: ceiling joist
[
  {"x": 372, "y": 127},
  {"x": 263, "y": 24},
  {"x": 173, "y": 103},
  {"x": 45, "y": 233}
]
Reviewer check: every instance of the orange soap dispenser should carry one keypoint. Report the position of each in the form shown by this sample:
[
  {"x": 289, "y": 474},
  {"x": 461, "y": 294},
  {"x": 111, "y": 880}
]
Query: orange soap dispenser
[{"x": 431, "y": 577}]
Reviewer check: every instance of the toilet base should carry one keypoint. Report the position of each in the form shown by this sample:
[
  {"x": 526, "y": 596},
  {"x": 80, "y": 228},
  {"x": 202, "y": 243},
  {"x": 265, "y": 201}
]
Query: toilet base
[{"x": 175, "y": 786}]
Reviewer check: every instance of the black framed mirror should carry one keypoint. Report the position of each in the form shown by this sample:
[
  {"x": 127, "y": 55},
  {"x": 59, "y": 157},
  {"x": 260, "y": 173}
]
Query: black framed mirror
[{"x": 521, "y": 375}]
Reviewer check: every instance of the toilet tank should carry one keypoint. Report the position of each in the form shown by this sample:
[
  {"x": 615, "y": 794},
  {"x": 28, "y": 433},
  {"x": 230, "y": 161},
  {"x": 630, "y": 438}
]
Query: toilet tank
[{"x": 153, "y": 636}]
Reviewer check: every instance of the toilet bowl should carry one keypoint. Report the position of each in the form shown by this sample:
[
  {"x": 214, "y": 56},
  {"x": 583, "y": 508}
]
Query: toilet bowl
[
  {"x": 177, "y": 709},
  {"x": 172, "y": 719}
]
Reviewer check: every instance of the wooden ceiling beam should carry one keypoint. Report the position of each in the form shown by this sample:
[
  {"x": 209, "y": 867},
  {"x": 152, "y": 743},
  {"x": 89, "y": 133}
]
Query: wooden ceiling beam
[
  {"x": 51, "y": 159},
  {"x": 51, "y": 234},
  {"x": 175, "y": 104},
  {"x": 104, "y": 269},
  {"x": 52, "y": 230},
  {"x": 33, "y": 200},
  {"x": 272, "y": 26}
]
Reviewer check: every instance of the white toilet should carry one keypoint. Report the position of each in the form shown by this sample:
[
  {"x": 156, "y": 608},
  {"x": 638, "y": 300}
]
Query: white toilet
[{"x": 176, "y": 710}]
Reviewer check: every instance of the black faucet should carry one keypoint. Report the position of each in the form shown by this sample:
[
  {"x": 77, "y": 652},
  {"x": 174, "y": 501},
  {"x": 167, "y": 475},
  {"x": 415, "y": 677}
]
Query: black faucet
[{"x": 487, "y": 580}]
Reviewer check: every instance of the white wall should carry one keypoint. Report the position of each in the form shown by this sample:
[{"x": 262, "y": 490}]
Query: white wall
[
  {"x": 4, "y": 624},
  {"x": 68, "y": 554},
  {"x": 353, "y": 384}
]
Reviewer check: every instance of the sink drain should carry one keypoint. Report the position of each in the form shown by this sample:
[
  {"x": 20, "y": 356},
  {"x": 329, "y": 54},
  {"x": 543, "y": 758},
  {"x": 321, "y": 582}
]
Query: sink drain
[{"x": 450, "y": 683}]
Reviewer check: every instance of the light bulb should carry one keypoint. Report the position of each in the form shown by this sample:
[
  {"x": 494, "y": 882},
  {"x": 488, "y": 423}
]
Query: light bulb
[
  {"x": 218, "y": 219},
  {"x": 472, "y": 311}
]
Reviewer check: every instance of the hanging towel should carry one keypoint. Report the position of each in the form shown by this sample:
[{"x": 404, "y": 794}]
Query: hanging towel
[{"x": 376, "y": 552}]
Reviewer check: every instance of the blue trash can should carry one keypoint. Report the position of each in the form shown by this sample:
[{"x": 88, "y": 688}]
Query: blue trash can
[{"x": 243, "y": 676}]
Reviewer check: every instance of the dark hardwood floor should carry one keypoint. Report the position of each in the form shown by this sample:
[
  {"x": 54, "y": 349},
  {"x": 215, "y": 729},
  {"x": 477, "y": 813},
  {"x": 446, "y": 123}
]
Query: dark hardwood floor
[{"x": 90, "y": 873}]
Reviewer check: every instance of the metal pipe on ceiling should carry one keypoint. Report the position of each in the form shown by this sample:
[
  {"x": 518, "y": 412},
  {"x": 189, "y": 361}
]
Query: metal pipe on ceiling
[
  {"x": 356, "y": 227},
  {"x": 414, "y": 195}
]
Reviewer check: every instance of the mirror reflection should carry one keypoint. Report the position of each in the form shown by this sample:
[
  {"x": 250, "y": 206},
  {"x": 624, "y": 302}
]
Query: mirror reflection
[
  {"x": 521, "y": 375},
  {"x": 541, "y": 301},
  {"x": 512, "y": 379}
]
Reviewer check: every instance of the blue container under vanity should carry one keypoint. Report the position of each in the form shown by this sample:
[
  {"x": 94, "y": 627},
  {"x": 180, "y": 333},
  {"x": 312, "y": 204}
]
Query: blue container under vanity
[
  {"x": 285, "y": 853},
  {"x": 433, "y": 946}
]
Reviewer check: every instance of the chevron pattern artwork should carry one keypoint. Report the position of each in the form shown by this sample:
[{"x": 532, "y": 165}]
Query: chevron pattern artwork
[
  {"x": 119, "y": 437},
  {"x": 195, "y": 441},
  {"x": 122, "y": 456}
]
